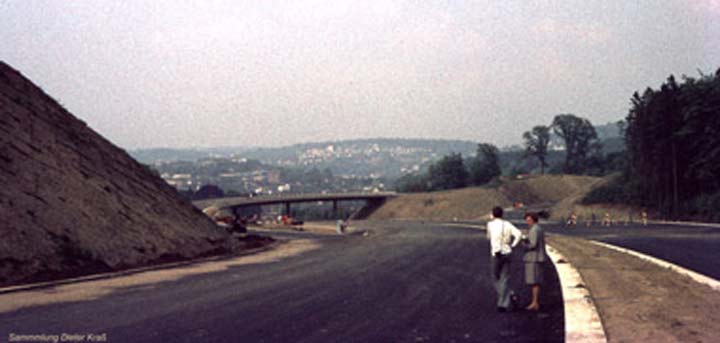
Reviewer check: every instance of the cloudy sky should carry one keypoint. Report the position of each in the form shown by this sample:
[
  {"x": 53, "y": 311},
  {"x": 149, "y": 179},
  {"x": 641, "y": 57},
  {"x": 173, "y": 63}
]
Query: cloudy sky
[{"x": 271, "y": 73}]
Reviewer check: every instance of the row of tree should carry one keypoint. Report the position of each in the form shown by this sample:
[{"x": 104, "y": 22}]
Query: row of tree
[
  {"x": 452, "y": 171},
  {"x": 583, "y": 154},
  {"x": 583, "y": 151},
  {"x": 673, "y": 145}
]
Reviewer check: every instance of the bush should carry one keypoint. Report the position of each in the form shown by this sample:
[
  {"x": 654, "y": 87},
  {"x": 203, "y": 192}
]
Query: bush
[
  {"x": 614, "y": 192},
  {"x": 705, "y": 207}
]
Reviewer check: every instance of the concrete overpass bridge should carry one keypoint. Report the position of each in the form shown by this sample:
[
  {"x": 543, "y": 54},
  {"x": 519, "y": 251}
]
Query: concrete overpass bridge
[{"x": 373, "y": 200}]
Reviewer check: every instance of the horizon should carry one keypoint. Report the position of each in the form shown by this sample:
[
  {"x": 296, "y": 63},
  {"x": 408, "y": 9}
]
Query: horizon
[
  {"x": 503, "y": 147},
  {"x": 193, "y": 74}
]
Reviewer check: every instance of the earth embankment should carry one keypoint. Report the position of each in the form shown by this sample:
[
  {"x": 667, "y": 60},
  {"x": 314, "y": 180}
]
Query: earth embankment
[
  {"x": 560, "y": 193},
  {"x": 72, "y": 203}
]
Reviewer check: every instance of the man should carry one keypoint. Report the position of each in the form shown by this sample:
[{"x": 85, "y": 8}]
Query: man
[
  {"x": 534, "y": 258},
  {"x": 503, "y": 236},
  {"x": 644, "y": 216}
]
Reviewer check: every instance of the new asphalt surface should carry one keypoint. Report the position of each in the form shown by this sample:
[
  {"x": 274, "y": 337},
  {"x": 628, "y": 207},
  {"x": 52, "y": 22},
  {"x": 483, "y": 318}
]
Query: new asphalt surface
[
  {"x": 692, "y": 247},
  {"x": 403, "y": 282}
]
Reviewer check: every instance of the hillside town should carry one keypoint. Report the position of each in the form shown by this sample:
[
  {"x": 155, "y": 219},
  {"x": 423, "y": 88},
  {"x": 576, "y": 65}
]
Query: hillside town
[{"x": 367, "y": 166}]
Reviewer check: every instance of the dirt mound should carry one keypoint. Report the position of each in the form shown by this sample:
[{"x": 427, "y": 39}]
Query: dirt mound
[
  {"x": 73, "y": 203},
  {"x": 548, "y": 188},
  {"x": 467, "y": 203},
  {"x": 477, "y": 202}
]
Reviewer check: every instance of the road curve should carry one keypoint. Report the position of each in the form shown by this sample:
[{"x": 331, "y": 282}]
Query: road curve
[
  {"x": 404, "y": 282},
  {"x": 691, "y": 247}
]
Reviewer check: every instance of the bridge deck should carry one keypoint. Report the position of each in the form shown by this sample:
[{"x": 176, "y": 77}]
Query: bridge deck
[{"x": 285, "y": 199}]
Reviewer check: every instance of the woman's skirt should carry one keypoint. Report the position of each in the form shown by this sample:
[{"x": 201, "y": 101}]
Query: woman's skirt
[{"x": 533, "y": 273}]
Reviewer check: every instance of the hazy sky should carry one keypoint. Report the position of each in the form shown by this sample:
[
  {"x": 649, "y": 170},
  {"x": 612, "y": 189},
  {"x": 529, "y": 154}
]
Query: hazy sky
[{"x": 269, "y": 73}]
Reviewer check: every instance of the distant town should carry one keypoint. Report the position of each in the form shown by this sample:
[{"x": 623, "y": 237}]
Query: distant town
[
  {"x": 369, "y": 165},
  {"x": 347, "y": 166}
]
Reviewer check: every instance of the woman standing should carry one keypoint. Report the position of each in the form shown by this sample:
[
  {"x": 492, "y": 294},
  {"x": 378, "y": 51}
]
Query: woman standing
[{"x": 534, "y": 258}]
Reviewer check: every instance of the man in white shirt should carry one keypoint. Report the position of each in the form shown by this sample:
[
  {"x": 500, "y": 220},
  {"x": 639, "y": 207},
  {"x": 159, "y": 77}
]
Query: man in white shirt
[{"x": 503, "y": 236}]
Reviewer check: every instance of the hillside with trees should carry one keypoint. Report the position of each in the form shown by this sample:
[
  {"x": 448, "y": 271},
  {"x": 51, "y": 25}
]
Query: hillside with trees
[
  {"x": 673, "y": 149},
  {"x": 569, "y": 145}
]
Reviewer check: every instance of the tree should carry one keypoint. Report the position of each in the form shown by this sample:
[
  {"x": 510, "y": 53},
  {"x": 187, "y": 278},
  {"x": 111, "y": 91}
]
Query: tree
[
  {"x": 672, "y": 150},
  {"x": 412, "y": 183},
  {"x": 448, "y": 173},
  {"x": 580, "y": 139},
  {"x": 486, "y": 164},
  {"x": 536, "y": 144},
  {"x": 672, "y": 140}
]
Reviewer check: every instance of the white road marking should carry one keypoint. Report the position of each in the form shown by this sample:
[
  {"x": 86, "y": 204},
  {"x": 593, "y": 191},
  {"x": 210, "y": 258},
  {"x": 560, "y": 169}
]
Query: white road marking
[{"x": 714, "y": 284}]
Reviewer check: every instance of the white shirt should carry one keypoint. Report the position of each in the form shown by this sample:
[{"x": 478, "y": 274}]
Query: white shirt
[{"x": 499, "y": 232}]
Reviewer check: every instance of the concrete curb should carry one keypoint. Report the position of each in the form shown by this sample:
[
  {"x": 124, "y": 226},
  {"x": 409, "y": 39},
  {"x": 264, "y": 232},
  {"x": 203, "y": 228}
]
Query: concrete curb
[
  {"x": 582, "y": 321},
  {"x": 714, "y": 284}
]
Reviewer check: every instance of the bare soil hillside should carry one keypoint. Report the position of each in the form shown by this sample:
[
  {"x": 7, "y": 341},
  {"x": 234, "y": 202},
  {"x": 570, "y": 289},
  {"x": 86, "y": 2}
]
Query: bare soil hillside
[
  {"x": 467, "y": 203},
  {"x": 477, "y": 202},
  {"x": 72, "y": 203}
]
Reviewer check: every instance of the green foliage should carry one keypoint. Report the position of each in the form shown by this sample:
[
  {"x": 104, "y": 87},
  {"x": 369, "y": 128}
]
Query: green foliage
[
  {"x": 486, "y": 164},
  {"x": 448, "y": 173},
  {"x": 580, "y": 141},
  {"x": 705, "y": 206},
  {"x": 673, "y": 143},
  {"x": 536, "y": 144},
  {"x": 412, "y": 183},
  {"x": 673, "y": 146},
  {"x": 618, "y": 191}
]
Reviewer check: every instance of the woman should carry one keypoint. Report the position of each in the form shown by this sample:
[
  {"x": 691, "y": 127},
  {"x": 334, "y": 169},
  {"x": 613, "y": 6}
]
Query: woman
[{"x": 534, "y": 258}]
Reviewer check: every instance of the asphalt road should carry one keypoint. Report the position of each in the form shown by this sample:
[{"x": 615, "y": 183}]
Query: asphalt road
[
  {"x": 695, "y": 248},
  {"x": 404, "y": 282}
]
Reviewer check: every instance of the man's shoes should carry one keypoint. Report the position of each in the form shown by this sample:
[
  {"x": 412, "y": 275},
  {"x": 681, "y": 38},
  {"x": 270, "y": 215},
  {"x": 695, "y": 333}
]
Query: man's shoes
[
  {"x": 501, "y": 309},
  {"x": 514, "y": 301}
]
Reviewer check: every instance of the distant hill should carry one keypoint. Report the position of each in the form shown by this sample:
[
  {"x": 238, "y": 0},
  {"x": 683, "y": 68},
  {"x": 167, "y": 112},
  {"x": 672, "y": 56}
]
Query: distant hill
[
  {"x": 382, "y": 157},
  {"x": 387, "y": 158},
  {"x": 72, "y": 203},
  {"x": 156, "y": 155}
]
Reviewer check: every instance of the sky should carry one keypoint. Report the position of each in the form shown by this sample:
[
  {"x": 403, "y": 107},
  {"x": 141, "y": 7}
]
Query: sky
[{"x": 272, "y": 73}]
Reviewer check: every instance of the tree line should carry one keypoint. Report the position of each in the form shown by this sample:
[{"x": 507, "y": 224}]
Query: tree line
[
  {"x": 673, "y": 149},
  {"x": 669, "y": 165},
  {"x": 583, "y": 155},
  {"x": 452, "y": 171}
]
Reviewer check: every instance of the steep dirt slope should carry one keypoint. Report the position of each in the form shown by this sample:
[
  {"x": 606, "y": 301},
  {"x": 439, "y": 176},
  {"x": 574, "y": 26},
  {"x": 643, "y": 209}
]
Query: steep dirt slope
[{"x": 73, "y": 203}]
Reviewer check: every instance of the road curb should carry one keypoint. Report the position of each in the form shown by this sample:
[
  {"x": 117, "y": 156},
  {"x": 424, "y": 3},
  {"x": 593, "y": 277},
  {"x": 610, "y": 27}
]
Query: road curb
[
  {"x": 714, "y": 284},
  {"x": 582, "y": 321}
]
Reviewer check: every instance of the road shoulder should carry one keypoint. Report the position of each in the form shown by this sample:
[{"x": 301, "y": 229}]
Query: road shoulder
[
  {"x": 640, "y": 301},
  {"x": 97, "y": 286}
]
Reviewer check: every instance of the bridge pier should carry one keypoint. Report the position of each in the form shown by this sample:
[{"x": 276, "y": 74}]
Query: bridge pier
[
  {"x": 335, "y": 209},
  {"x": 287, "y": 208}
]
